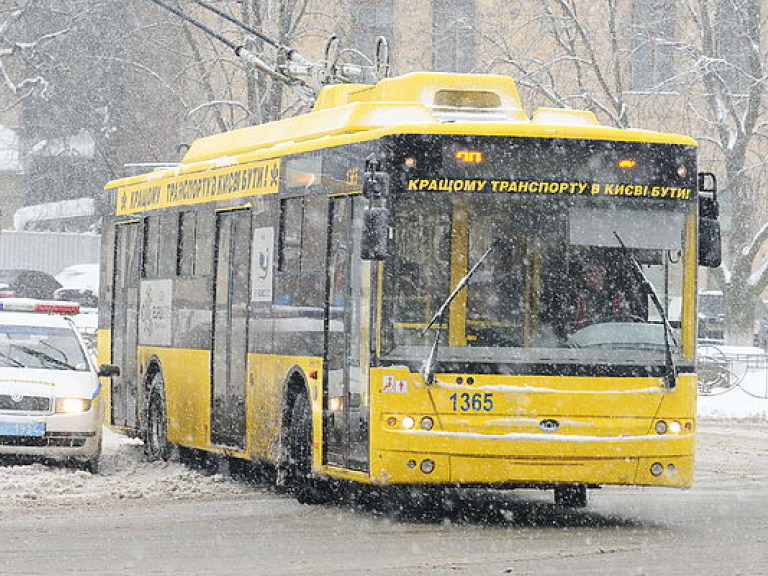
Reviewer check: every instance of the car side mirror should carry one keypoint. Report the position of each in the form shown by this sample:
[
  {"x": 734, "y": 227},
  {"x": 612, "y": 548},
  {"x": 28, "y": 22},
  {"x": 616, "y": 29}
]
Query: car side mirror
[{"x": 108, "y": 370}]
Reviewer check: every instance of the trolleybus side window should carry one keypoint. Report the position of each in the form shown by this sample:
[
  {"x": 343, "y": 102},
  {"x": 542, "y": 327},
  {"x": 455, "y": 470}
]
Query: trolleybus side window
[
  {"x": 291, "y": 212},
  {"x": 186, "y": 246},
  {"x": 167, "y": 235},
  {"x": 301, "y": 251},
  {"x": 149, "y": 264}
]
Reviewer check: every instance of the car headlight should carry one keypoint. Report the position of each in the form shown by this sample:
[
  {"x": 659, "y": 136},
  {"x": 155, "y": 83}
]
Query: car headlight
[{"x": 72, "y": 405}]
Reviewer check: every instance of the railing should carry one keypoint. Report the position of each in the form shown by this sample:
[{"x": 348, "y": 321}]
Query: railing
[{"x": 722, "y": 369}]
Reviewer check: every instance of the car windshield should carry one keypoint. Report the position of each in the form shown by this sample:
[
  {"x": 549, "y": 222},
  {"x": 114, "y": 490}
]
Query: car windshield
[{"x": 41, "y": 347}]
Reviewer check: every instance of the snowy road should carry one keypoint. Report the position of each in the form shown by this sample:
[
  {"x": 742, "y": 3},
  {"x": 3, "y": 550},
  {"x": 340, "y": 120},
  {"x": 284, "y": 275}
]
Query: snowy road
[{"x": 141, "y": 518}]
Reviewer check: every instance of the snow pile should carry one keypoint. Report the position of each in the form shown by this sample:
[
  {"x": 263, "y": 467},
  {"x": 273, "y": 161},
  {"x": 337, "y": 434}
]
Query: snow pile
[{"x": 125, "y": 474}]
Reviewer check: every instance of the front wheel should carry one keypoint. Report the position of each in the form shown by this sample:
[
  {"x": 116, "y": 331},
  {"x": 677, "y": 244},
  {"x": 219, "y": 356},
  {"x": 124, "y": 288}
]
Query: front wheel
[
  {"x": 306, "y": 487},
  {"x": 156, "y": 445}
]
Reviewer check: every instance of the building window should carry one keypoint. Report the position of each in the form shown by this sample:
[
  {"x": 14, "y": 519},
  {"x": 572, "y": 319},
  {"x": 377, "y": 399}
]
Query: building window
[
  {"x": 454, "y": 35},
  {"x": 652, "y": 43},
  {"x": 733, "y": 45},
  {"x": 371, "y": 19}
]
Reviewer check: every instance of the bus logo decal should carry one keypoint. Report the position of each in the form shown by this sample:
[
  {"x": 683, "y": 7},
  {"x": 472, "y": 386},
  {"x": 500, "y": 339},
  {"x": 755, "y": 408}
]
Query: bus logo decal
[{"x": 261, "y": 264}]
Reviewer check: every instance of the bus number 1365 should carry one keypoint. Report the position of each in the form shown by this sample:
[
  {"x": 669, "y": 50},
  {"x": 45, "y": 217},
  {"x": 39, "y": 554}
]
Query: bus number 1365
[{"x": 476, "y": 402}]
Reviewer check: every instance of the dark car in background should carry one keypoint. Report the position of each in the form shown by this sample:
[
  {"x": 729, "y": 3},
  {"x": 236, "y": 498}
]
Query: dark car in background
[
  {"x": 712, "y": 320},
  {"x": 19, "y": 283}
]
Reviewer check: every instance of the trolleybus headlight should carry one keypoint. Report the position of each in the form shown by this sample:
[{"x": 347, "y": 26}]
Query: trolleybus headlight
[
  {"x": 657, "y": 469},
  {"x": 427, "y": 466},
  {"x": 661, "y": 427},
  {"x": 408, "y": 422},
  {"x": 72, "y": 405},
  {"x": 675, "y": 427},
  {"x": 427, "y": 423}
]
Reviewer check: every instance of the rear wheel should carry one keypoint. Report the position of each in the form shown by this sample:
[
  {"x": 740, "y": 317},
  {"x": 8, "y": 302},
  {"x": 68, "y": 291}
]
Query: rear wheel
[
  {"x": 156, "y": 445},
  {"x": 571, "y": 496},
  {"x": 306, "y": 487}
]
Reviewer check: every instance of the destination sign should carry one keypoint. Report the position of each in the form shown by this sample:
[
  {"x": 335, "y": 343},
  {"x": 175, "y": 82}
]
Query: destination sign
[
  {"x": 219, "y": 184},
  {"x": 547, "y": 187}
]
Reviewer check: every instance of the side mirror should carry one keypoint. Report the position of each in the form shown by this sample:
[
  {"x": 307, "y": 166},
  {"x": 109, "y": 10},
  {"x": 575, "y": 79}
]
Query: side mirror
[
  {"x": 375, "y": 240},
  {"x": 710, "y": 242},
  {"x": 108, "y": 370}
]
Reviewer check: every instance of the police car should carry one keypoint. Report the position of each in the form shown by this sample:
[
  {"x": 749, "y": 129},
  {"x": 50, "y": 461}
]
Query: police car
[{"x": 51, "y": 403}]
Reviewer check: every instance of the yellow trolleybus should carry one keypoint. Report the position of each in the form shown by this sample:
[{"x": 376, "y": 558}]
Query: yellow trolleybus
[{"x": 415, "y": 284}]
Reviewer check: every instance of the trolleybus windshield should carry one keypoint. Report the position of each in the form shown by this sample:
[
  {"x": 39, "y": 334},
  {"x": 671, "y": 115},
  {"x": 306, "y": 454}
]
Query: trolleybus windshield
[{"x": 557, "y": 288}]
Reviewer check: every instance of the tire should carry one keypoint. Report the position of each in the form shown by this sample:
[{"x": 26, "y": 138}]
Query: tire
[
  {"x": 571, "y": 496},
  {"x": 92, "y": 466},
  {"x": 156, "y": 445},
  {"x": 306, "y": 487}
]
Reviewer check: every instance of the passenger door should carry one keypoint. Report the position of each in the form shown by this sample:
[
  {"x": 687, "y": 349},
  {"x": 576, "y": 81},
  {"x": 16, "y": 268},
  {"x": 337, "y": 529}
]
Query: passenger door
[
  {"x": 229, "y": 348},
  {"x": 345, "y": 425},
  {"x": 125, "y": 323}
]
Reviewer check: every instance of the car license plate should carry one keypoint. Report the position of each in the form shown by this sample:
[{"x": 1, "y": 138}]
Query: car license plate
[{"x": 22, "y": 428}]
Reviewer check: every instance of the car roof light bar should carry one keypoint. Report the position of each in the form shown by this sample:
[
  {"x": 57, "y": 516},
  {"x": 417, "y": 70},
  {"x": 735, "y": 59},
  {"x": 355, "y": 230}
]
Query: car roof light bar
[{"x": 38, "y": 306}]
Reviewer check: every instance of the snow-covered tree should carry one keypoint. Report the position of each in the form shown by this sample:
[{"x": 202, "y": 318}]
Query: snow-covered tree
[
  {"x": 20, "y": 51},
  {"x": 694, "y": 66}
]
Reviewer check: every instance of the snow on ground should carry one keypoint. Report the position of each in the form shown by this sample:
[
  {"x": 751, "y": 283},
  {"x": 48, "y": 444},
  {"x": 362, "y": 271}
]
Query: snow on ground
[
  {"x": 125, "y": 474},
  {"x": 748, "y": 400}
]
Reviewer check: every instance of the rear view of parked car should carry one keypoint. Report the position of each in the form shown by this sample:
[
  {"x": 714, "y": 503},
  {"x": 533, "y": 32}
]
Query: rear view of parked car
[{"x": 51, "y": 403}]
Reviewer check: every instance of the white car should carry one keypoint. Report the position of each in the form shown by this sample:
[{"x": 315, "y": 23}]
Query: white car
[
  {"x": 79, "y": 283},
  {"x": 51, "y": 402}
]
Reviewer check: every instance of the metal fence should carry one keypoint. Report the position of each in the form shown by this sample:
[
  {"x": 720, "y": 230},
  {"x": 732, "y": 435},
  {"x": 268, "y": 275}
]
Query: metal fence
[
  {"x": 49, "y": 252},
  {"x": 721, "y": 370}
]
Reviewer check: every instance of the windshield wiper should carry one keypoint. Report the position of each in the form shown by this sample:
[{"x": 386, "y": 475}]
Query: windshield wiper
[
  {"x": 11, "y": 360},
  {"x": 429, "y": 363},
  {"x": 670, "y": 378},
  {"x": 45, "y": 357},
  {"x": 55, "y": 349}
]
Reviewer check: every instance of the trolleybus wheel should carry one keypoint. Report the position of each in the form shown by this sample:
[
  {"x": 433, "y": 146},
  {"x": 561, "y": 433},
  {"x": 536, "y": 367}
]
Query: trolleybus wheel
[
  {"x": 306, "y": 488},
  {"x": 571, "y": 496},
  {"x": 156, "y": 445}
]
